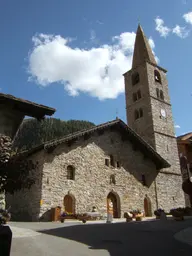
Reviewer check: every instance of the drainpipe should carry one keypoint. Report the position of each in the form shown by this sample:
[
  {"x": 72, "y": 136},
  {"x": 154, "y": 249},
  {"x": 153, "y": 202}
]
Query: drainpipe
[{"x": 156, "y": 194}]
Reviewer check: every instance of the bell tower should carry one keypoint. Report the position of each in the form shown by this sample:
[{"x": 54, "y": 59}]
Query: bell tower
[{"x": 148, "y": 105}]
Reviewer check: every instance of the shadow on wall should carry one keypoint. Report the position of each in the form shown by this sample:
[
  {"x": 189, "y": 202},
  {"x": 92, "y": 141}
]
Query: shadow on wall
[{"x": 25, "y": 203}]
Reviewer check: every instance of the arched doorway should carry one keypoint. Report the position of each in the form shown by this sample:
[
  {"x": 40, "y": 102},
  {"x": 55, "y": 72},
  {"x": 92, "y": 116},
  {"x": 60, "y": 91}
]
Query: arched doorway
[
  {"x": 69, "y": 203},
  {"x": 114, "y": 199},
  {"x": 147, "y": 206}
]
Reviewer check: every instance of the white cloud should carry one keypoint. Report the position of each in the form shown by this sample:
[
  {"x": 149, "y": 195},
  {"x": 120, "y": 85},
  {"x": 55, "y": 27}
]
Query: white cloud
[
  {"x": 152, "y": 44},
  {"x": 177, "y": 126},
  {"x": 161, "y": 28},
  {"x": 180, "y": 31},
  {"x": 96, "y": 71},
  {"x": 188, "y": 17}
]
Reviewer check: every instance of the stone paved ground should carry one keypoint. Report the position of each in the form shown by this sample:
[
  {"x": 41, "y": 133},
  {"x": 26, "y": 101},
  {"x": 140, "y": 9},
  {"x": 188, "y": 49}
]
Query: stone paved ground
[{"x": 119, "y": 239}]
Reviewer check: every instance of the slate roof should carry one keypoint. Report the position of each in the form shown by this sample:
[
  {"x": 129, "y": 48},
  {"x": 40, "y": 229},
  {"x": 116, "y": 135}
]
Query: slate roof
[
  {"x": 27, "y": 107},
  {"x": 185, "y": 137},
  {"x": 118, "y": 125}
]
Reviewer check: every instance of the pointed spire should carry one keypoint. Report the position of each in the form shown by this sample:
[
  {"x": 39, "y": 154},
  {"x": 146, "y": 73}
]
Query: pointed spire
[{"x": 142, "y": 49}]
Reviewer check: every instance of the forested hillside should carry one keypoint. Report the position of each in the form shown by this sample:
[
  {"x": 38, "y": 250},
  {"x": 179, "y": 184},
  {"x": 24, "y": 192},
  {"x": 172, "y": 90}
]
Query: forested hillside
[{"x": 33, "y": 133}]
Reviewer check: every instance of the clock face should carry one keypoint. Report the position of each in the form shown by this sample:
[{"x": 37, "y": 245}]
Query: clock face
[{"x": 163, "y": 113}]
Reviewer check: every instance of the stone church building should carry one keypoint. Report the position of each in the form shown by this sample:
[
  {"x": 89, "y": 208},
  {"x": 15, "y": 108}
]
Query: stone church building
[{"x": 134, "y": 167}]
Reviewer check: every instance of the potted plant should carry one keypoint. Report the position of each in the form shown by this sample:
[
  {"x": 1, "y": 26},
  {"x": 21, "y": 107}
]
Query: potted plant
[
  {"x": 158, "y": 213},
  {"x": 5, "y": 216},
  {"x": 178, "y": 214},
  {"x": 128, "y": 216},
  {"x": 67, "y": 215},
  {"x": 137, "y": 215}
]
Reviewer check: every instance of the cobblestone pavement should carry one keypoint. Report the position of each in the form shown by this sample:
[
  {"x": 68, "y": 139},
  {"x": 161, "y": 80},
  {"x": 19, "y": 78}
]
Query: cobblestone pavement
[{"x": 76, "y": 239}]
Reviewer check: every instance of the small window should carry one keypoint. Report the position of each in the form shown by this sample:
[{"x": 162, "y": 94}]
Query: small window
[
  {"x": 161, "y": 95},
  {"x": 143, "y": 180},
  {"x": 139, "y": 94},
  {"x": 107, "y": 162},
  {"x": 112, "y": 162},
  {"x": 136, "y": 114},
  {"x": 135, "y": 78},
  {"x": 134, "y": 97},
  {"x": 157, "y": 92},
  {"x": 118, "y": 164},
  {"x": 70, "y": 172},
  {"x": 140, "y": 112},
  {"x": 157, "y": 76},
  {"x": 112, "y": 179}
]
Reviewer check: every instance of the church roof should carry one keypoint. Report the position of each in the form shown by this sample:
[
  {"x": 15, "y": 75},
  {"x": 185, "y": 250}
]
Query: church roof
[
  {"x": 118, "y": 125},
  {"x": 185, "y": 138},
  {"x": 27, "y": 107},
  {"x": 142, "y": 50}
]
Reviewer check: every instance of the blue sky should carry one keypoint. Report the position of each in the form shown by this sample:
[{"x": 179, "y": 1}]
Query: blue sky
[{"x": 89, "y": 43}]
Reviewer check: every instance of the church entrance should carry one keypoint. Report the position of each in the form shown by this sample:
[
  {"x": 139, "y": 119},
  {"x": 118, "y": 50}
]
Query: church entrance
[
  {"x": 113, "y": 204},
  {"x": 147, "y": 206},
  {"x": 69, "y": 203}
]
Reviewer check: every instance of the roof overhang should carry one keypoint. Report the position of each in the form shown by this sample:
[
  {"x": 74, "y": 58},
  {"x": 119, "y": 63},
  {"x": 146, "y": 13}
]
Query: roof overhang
[{"x": 26, "y": 107}]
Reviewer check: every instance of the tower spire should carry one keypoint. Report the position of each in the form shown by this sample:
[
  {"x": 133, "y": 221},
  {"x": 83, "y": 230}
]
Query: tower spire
[{"x": 142, "y": 49}]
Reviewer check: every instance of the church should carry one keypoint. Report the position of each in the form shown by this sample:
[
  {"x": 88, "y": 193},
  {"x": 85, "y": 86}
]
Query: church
[{"x": 134, "y": 166}]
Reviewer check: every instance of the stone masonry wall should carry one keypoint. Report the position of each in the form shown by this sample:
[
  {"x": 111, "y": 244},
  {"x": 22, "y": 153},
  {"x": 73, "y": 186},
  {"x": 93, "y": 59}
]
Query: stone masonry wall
[
  {"x": 25, "y": 204},
  {"x": 92, "y": 178}
]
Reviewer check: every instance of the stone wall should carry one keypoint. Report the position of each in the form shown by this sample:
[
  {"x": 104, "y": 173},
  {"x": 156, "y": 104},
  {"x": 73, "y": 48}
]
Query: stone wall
[
  {"x": 92, "y": 178},
  {"x": 25, "y": 203}
]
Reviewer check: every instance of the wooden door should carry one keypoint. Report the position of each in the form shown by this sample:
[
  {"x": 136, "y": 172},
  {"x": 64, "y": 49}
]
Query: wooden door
[
  {"x": 111, "y": 200},
  {"x": 147, "y": 207},
  {"x": 68, "y": 204}
]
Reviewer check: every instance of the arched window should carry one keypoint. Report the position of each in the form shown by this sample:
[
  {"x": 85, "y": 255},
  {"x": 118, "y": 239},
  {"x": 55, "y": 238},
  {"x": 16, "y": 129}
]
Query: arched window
[
  {"x": 140, "y": 112},
  {"x": 161, "y": 95},
  {"x": 70, "y": 172},
  {"x": 135, "y": 78},
  {"x": 138, "y": 94},
  {"x": 112, "y": 162},
  {"x": 157, "y": 92},
  {"x": 134, "y": 97},
  {"x": 157, "y": 76},
  {"x": 112, "y": 179},
  {"x": 136, "y": 114}
]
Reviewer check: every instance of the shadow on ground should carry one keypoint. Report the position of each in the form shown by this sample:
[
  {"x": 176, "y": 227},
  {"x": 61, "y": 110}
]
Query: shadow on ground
[{"x": 138, "y": 238}]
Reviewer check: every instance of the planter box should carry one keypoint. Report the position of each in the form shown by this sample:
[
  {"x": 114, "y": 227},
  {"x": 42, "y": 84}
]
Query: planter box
[
  {"x": 178, "y": 218},
  {"x": 138, "y": 218},
  {"x": 128, "y": 219}
]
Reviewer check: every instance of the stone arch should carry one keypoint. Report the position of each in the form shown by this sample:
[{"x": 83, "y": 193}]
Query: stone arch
[
  {"x": 157, "y": 76},
  {"x": 136, "y": 114},
  {"x": 69, "y": 203},
  {"x": 114, "y": 198},
  {"x": 135, "y": 78},
  {"x": 147, "y": 206}
]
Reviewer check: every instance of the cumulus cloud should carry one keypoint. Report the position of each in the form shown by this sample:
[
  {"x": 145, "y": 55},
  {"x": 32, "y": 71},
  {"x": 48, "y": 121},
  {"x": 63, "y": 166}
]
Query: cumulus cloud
[
  {"x": 161, "y": 28},
  {"x": 96, "y": 71},
  {"x": 188, "y": 17},
  {"x": 180, "y": 31},
  {"x": 177, "y": 126}
]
